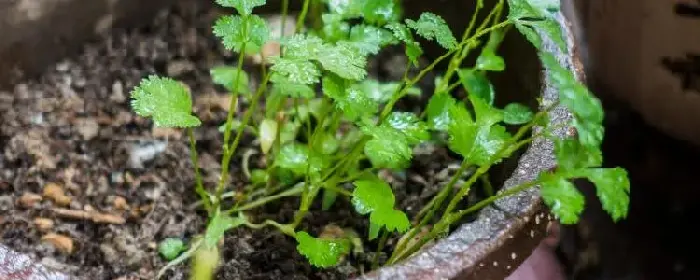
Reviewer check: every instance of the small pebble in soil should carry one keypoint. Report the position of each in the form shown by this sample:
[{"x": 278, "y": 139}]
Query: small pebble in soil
[
  {"x": 29, "y": 200},
  {"x": 43, "y": 224},
  {"x": 61, "y": 242}
]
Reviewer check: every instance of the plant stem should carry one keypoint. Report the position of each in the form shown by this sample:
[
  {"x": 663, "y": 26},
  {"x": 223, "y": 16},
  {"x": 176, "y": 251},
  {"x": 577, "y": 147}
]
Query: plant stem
[
  {"x": 227, "y": 131},
  {"x": 459, "y": 57},
  {"x": 454, "y": 217},
  {"x": 437, "y": 200},
  {"x": 488, "y": 188},
  {"x": 380, "y": 247},
  {"x": 203, "y": 194},
  {"x": 262, "y": 201},
  {"x": 285, "y": 11},
  {"x": 513, "y": 144},
  {"x": 433, "y": 206},
  {"x": 282, "y": 228},
  {"x": 230, "y": 150},
  {"x": 302, "y": 16}
]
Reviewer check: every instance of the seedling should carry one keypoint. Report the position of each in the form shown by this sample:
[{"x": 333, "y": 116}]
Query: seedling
[{"x": 317, "y": 90}]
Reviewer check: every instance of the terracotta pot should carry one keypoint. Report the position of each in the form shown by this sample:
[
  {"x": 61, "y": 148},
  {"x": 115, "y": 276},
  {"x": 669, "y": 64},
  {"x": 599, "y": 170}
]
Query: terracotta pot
[{"x": 491, "y": 247}]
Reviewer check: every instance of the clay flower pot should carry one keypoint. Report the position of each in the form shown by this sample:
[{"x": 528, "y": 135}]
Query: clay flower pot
[{"x": 491, "y": 247}]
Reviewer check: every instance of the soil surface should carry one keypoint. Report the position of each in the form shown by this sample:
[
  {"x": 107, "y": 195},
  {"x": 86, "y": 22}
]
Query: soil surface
[{"x": 69, "y": 141}]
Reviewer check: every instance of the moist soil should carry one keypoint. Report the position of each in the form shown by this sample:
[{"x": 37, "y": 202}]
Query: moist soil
[{"x": 73, "y": 128}]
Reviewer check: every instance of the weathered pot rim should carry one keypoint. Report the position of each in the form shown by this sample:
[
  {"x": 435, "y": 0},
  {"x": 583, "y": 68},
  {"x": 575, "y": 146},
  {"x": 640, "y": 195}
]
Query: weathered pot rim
[
  {"x": 502, "y": 237},
  {"x": 491, "y": 247}
]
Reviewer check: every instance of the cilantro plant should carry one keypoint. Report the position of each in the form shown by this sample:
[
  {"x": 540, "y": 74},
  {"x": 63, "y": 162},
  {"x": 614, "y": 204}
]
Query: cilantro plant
[{"x": 323, "y": 116}]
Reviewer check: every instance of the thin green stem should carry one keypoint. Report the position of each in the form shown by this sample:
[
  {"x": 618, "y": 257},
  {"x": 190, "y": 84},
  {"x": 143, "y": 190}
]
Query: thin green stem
[
  {"x": 512, "y": 145},
  {"x": 433, "y": 206},
  {"x": 302, "y": 16},
  {"x": 454, "y": 217},
  {"x": 228, "y": 150},
  {"x": 488, "y": 188},
  {"x": 380, "y": 247},
  {"x": 264, "y": 200},
  {"x": 281, "y": 227},
  {"x": 459, "y": 57},
  {"x": 203, "y": 194},
  {"x": 285, "y": 12}
]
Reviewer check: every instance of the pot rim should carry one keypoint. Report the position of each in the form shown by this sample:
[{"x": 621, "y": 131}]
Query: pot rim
[{"x": 502, "y": 237}]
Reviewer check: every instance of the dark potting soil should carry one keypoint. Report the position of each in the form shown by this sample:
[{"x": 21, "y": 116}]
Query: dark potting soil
[{"x": 73, "y": 127}]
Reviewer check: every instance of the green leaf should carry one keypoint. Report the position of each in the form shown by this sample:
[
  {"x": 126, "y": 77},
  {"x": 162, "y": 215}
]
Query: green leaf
[
  {"x": 296, "y": 70},
  {"x": 433, "y": 27},
  {"x": 258, "y": 176},
  {"x": 345, "y": 60},
  {"x": 235, "y": 31},
  {"x": 352, "y": 101},
  {"x": 516, "y": 113},
  {"x": 392, "y": 219},
  {"x": 227, "y": 75},
  {"x": 613, "y": 187},
  {"x": 321, "y": 252},
  {"x": 562, "y": 197},
  {"x": 293, "y": 156},
  {"x": 283, "y": 87},
  {"x": 379, "y": 11},
  {"x": 167, "y": 101},
  {"x": 218, "y": 226},
  {"x": 537, "y": 15},
  {"x": 530, "y": 34},
  {"x": 402, "y": 33},
  {"x": 373, "y": 11},
  {"x": 415, "y": 130},
  {"x": 587, "y": 109},
  {"x": 369, "y": 39},
  {"x": 388, "y": 148},
  {"x": 520, "y": 9},
  {"x": 489, "y": 61},
  {"x": 244, "y": 7},
  {"x": 289, "y": 131},
  {"x": 382, "y": 92},
  {"x": 329, "y": 144},
  {"x": 374, "y": 231},
  {"x": 328, "y": 199},
  {"x": 376, "y": 197},
  {"x": 438, "y": 110},
  {"x": 334, "y": 28},
  {"x": 480, "y": 141},
  {"x": 170, "y": 248},
  {"x": 571, "y": 155},
  {"x": 302, "y": 46},
  {"x": 461, "y": 129},
  {"x": 486, "y": 115},
  {"x": 372, "y": 195},
  {"x": 267, "y": 134},
  {"x": 477, "y": 84},
  {"x": 489, "y": 141}
]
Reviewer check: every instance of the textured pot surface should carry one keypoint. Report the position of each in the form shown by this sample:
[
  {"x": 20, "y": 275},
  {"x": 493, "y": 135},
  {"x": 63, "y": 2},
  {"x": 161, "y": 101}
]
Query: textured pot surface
[{"x": 490, "y": 248}]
